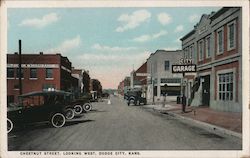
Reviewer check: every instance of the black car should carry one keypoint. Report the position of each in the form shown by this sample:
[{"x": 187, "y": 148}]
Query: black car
[
  {"x": 45, "y": 106},
  {"x": 135, "y": 97},
  {"x": 81, "y": 105}
]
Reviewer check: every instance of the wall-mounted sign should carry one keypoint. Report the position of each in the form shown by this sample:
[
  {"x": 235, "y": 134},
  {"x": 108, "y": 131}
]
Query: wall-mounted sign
[
  {"x": 34, "y": 65},
  {"x": 183, "y": 68},
  {"x": 141, "y": 74},
  {"x": 186, "y": 61}
]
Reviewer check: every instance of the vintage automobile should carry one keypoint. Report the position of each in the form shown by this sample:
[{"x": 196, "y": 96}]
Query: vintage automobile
[
  {"x": 81, "y": 105},
  {"x": 44, "y": 106},
  {"x": 135, "y": 97}
]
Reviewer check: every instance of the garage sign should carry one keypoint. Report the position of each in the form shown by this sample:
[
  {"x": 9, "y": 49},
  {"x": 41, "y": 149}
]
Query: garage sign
[{"x": 183, "y": 68}]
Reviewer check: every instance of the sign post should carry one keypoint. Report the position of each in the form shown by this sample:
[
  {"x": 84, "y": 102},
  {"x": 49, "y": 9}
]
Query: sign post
[{"x": 185, "y": 66}]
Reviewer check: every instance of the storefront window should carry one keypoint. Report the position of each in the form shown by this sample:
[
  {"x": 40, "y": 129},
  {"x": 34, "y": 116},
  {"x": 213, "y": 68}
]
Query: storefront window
[{"x": 226, "y": 86}]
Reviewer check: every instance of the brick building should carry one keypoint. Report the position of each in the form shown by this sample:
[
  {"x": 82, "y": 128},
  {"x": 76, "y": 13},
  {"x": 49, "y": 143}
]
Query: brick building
[
  {"x": 215, "y": 46},
  {"x": 39, "y": 72},
  {"x": 139, "y": 77}
]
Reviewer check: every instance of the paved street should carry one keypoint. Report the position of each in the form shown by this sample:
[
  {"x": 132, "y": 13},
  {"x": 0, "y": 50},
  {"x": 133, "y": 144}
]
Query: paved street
[{"x": 119, "y": 127}]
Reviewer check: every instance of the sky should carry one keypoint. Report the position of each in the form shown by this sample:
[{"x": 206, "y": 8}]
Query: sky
[{"x": 109, "y": 42}]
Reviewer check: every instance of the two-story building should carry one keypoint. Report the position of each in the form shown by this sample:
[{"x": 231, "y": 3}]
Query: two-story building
[
  {"x": 39, "y": 72},
  {"x": 161, "y": 81},
  {"x": 215, "y": 46}
]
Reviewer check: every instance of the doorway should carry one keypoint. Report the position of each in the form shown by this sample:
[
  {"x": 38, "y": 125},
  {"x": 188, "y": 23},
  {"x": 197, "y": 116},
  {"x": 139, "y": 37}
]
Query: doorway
[{"x": 206, "y": 90}]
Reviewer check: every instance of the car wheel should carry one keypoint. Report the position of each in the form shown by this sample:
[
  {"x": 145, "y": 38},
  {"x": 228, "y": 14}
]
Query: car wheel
[
  {"x": 87, "y": 107},
  {"x": 69, "y": 114},
  {"x": 78, "y": 109},
  {"x": 131, "y": 101},
  {"x": 58, "y": 120},
  {"x": 9, "y": 125}
]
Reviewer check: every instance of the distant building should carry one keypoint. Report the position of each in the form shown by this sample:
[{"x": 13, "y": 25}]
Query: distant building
[
  {"x": 39, "y": 72},
  {"x": 78, "y": 74},
  {"x": 215, "y": 45},
  {"x": 161, "y": 81},
  {"x": 139, "y": 77}
]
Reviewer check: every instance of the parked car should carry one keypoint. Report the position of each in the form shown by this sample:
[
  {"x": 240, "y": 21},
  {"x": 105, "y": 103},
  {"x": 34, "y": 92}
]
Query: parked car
[
  {"x": 135, "y": 97},
  {"x": 81, "y": 105},
  {"x": 45, "y": 106}
]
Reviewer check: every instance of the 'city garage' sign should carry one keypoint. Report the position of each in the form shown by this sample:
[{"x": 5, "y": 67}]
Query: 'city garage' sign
[{"x": 183, "y": 68}]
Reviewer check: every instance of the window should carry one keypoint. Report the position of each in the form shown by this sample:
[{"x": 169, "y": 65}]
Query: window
[
  {"x": 10, "y": 72},
  {"x": 231, "y": 35},
  {"x": 190, "y": 52},
  {"x": 17, "y": 73},
  {"x": 49, "y": 73},
  {"x": 166, "y": 65},
  {"x": 220, "y": 44},
  {"x": 33, "y": 72},
  {"x": 208, "y": 49},
  {"x": 201, "y": 50},
  {"x": 226, "y": 86}
]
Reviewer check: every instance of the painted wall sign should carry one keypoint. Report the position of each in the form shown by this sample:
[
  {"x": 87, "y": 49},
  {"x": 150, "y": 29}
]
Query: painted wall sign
[
  {"x": 183, "y": 68},
  {"x": 34, "y": 65}
]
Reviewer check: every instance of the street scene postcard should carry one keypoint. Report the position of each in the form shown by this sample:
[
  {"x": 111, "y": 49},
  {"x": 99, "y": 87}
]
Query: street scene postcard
[{"x": 124, "y": 79}]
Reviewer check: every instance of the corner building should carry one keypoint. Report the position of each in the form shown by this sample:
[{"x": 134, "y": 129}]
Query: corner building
[
  {"x": 215, "y": 46},
  {"x": 39, "y": 72}
]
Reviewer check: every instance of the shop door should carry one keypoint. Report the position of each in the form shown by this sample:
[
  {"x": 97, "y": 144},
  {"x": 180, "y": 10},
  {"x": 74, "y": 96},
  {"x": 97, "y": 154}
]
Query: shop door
[{"x": 206, "y": 90}]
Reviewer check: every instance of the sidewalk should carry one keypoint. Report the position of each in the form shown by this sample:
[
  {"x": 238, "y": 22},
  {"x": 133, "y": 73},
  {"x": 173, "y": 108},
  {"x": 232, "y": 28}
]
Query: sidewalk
[{"x": 226, "y": 122}]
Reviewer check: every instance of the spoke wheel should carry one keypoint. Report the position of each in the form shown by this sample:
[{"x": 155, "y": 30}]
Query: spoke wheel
[
  {"x": 87, "y": 107},
  {"x": 69, "y": 114},
  {"x": 9, "y": 125},
  {"x": 58, "y": 120},
  {"x": 78, "y": 109}
]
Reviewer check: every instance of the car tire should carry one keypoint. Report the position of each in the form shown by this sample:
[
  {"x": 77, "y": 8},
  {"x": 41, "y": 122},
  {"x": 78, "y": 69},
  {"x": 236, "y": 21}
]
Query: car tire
[
  {"x": 58, "y": 120},
  {"x": 78, "y": 109},
  {"x": 69, "y": 114},
  {"x": 10, "y": 125},
  {"x": 87, "y": 107},
  {"x": 132, "y": 101}
]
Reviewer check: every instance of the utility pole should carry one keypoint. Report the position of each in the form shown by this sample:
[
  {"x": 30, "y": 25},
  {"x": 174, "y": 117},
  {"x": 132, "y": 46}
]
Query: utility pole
[{"x": 20, "y": 68}]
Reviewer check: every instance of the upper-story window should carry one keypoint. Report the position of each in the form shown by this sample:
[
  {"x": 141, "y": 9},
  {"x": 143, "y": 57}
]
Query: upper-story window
[
  {"x": 10, "y": 72},
  {"x": 166, "y": 65},
  {"x": 191, "y": 49},
  {"x": 49, "y": 73},
  {"x": 17, "y": 72},
  {"x": 220, "y": 39},
  {"x": 231, "y": 35},
  {"x": 200, "y": 48},
  {"x": 33, "y": 73},
  {"x": 208, "y": 47}
]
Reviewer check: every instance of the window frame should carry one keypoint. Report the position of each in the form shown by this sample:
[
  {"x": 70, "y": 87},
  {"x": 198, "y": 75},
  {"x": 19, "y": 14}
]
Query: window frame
[
  {"x": 201, "y": 47},
  {"x": 166, "y": 61},
  {"x": 33, "y": 78},
  {"x": 217, "y": 42},
  {"x": 47, "y": 77},
  {"x": 228, "y": 35},
  {"x": 227, "y": 71},
  {"x": 22, "y": 73},
  {"x": 11, "y": 77},
  {"x": 208, "y": 37}
]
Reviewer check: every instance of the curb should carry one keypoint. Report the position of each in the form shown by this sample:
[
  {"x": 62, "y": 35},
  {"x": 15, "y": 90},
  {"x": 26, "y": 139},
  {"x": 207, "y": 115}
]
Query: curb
[{"x": 206, "y": 126}]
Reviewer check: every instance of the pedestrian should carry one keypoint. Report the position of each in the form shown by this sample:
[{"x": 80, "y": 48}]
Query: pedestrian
[
  {"x": 183, "y": 103},
  {"x": 109, "y": 101}
]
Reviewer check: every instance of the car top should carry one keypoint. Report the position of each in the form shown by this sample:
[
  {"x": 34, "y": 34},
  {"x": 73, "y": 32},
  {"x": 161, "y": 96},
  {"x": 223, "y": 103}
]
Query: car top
[{"x": 45, "y": 93}]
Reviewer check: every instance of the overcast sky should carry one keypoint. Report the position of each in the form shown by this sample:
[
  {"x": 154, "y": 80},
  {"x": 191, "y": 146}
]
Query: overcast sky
[{"x": 108, "y": 42}]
